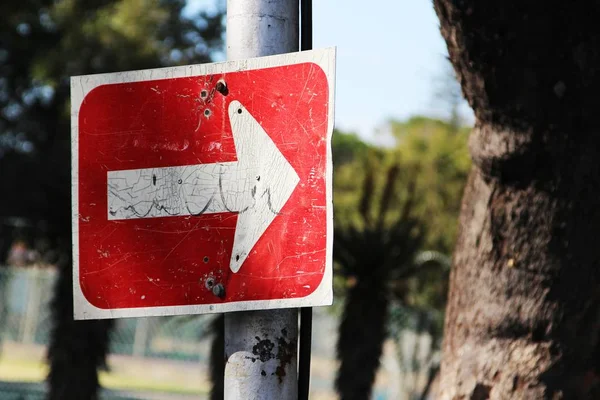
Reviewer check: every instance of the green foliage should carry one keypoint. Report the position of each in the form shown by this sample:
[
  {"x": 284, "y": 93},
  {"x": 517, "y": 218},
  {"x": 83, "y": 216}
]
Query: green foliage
[
  {"x": 348, "y": 152},
  {"x": 346, "y": 148},
  {"x": 42, "y": 44},
  {"x": 370, "y": 252},
  {"x": 352, "y": 160},
  {"x": 432, "y": 162},
  {"x": 431, "y": 154},
  {"x": 390, "y": 205},
  {"x": 437, "y": 152}
]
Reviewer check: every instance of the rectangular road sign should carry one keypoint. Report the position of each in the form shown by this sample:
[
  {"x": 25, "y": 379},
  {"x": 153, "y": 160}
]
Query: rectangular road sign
[{"x": 203, "y": 188}]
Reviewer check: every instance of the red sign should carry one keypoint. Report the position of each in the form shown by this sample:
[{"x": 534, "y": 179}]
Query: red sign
[{"x": 203, "y": 188}]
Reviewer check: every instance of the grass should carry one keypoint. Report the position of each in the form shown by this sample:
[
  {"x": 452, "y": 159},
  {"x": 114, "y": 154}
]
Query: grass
[
  {"x": 121, "y": 382},
  {"x": 22, "y": 370},
  {"x": 17, "y": 370}
]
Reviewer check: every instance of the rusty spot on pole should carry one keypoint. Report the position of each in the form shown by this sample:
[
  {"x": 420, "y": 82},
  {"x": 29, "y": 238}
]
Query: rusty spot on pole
[
  {"x": 263, "y": 350},
  {"x": 285, "y": 353}
]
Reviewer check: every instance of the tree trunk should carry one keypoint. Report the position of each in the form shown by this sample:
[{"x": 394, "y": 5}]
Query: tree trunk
[
  {"x": 77, "y": 348},
  {"x": 523, "y": 316},
  {"x": 217, "y": 358},
  {"x": 5, "y": 245},
  {"x": 362, "y": 333}
]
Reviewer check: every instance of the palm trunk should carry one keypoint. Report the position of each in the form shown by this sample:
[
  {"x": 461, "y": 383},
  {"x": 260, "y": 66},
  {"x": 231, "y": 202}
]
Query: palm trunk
[
  {"x": 217, "y": 357},
  {"x": 5, "y": 241},
  {"x": 361, "y": 336},
  {"x": 5, "y": 245},
  {"x": 523, "y": 316},
  {"x": 77, "y": 348}
]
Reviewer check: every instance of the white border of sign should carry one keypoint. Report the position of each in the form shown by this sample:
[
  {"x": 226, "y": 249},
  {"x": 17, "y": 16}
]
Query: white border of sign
[{"x": 82, "y": 85}]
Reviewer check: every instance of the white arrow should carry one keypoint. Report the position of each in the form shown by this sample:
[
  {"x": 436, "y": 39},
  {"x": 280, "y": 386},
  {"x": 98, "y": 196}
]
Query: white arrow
[{"x": 256, "y": 186}]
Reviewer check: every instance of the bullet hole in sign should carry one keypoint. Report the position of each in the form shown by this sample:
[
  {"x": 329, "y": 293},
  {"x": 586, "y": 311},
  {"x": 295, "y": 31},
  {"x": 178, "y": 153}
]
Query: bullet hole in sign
[
  {"x": 210, "y": 283},
  {"x": 222, "y": 88}
]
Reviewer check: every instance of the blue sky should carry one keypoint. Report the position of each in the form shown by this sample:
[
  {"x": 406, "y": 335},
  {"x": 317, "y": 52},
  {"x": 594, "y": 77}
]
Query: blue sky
[{"x": 391, "y": 58}]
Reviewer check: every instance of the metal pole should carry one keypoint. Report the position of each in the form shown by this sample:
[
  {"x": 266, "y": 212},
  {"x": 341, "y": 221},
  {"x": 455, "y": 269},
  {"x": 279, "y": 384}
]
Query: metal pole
[
  {"x": 306, "y": 313},
  {"x": 261, "y": 346},
  {"x": 258, "y": 28}
]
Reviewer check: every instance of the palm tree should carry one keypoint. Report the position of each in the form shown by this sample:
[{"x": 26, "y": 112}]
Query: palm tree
[
  {"x": 420, "y": 326},
  {"x": 217, "y": 357},
  {"x": 6, "y": 234},
  {"x": 369, "y": 255},
  {"x": 77, "y": 348}
]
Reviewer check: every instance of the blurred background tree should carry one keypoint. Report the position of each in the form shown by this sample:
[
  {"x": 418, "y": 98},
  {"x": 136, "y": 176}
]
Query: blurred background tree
[
  {"x": 42, "y": 44},
  {"x": 438, "y": 151},
  {"x": 368, "y": 255},
  {"x": 396, "y": 214}
]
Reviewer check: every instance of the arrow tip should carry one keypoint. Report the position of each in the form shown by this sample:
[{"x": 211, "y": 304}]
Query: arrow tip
[
  {"x": 237, "y": 259},
  {"x": 235, "y": 107},
  {"x": 270, "y": 181}
]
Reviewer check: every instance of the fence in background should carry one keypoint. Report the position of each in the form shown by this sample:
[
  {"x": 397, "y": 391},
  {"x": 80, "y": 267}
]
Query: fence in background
[
  {"x": 25, "y": 322},
  {"x": 24, "y": 315},
  {"x": 25, "y": 318}
]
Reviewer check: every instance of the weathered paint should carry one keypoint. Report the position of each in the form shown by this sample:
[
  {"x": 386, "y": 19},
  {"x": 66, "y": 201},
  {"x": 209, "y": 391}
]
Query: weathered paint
[
  {"x": 261, "y": 354},
  {"x": 158, "y": 119},
  {"x": 256, "y": 187},
  {"x": 260, "y": 346},
  {"x": 257, "y": 28}
]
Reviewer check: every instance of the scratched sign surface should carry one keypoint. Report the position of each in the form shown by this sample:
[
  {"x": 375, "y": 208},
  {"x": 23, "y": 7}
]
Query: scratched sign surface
[{"x": 203, "y": 188}]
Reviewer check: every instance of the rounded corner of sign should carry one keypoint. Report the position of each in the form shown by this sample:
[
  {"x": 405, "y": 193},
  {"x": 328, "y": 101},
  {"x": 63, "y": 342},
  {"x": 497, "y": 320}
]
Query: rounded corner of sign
[
  {"x": 83, "y": 309},
  {"x": 85, "y": 301},
  {"x": 322, "y": 295},
  {"x": 322, "y": 68},
  {"x": 80, "y": 313},
  {"x": 327, "y": 300},
  {"x": 325, "y": 59},
  {"x": 90, "y": 93}
]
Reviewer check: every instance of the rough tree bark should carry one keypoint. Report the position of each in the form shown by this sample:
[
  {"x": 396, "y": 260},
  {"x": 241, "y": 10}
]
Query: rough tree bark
[{"x": 523, "y": 317}]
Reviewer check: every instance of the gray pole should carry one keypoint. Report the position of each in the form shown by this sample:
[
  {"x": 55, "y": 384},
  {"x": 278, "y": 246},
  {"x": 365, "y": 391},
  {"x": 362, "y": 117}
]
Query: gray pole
[{"x": 261, "y": 346}]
